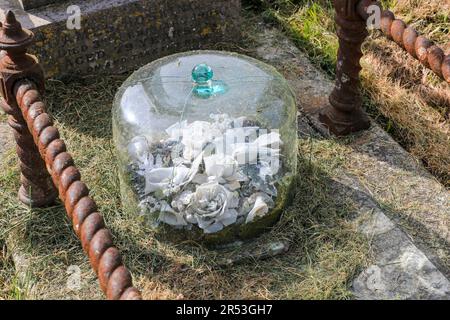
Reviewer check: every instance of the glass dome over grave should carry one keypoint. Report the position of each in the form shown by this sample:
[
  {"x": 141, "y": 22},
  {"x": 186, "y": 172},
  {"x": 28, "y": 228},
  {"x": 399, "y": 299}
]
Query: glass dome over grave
[{"x": 206, "y": 142}]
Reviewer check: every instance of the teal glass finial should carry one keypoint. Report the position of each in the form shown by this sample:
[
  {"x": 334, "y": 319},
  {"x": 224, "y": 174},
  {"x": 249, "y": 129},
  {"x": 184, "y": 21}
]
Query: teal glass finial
[
  {"x": 202, "y": 73},
  {"x": 204, "y": 85}
]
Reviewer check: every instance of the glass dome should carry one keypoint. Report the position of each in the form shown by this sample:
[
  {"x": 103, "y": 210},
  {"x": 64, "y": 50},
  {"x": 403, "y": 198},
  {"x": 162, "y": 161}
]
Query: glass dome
[{"x": 206, "y": 143}]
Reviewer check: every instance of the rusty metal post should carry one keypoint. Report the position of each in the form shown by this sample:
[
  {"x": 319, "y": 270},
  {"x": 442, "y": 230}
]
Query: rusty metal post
[
  {"x": 37, "y": 188},
  {"x": 345, "y": 114},
  {"x": 88, "y": 224},
  {"x": 41, "y": 151}
]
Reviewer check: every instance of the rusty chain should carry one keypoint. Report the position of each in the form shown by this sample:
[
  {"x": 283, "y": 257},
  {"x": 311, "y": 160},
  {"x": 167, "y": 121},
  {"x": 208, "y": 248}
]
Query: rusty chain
[
  {"x": 45, "y": 163},
  {"x": 419, "y": 47},
  {"x": 115, "y": 280}
]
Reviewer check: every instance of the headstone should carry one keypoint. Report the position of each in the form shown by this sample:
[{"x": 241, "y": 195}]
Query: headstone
[
  {"x": 116, "y": 36},
  {"x": 31, "y": 4}
]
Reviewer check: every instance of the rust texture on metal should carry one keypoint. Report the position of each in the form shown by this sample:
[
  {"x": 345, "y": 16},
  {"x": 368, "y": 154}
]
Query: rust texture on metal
[
  {"x": 41, "y": 150},
  {"x": 344, "y": 115},
  {"x": 419, "y": 47},
  {"x": 36, "y": 188}
]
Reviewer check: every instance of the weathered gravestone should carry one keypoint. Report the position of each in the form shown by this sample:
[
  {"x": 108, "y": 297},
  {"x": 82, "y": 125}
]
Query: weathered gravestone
[
  {"x": 121, "y": 35},
  {"x": 31, "y": 4}
]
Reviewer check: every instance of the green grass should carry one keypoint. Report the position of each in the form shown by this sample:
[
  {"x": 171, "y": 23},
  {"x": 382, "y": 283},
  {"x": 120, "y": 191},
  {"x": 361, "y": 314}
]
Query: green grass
[
  {"x": 393, "y": 83},
  {"x": 311, "y": 27},
  {"x": 325, "y": 250}
]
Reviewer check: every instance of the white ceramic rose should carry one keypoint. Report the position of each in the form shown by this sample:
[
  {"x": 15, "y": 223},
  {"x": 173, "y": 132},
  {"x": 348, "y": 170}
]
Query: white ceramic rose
[
  {"x": 220, "y": 166},
  {"x": 171, "y": 180},
  {"x": 212, "y": 207}
]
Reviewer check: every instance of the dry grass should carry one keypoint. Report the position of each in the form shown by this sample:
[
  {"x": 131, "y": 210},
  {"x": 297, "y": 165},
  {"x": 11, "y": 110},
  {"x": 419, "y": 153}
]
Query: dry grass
[
  {"x": 6, "y": 274},
  {"x": 410, "y": 102},
  {"x": 419, "y": 109},
  {"x": 413, "y": 99},
  {"x": 430, "y": 17},
  {"x": 325, "y": 251}
]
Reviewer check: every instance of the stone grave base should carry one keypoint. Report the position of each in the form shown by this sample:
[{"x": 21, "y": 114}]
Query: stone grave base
[
  {"x": 31, "y": 4},
  {"x": 241, "y": 252},
  {"x": 120, "y": 35}
]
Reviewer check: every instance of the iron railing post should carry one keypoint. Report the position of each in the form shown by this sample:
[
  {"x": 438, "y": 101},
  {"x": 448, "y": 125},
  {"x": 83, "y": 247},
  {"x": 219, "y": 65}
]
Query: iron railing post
[
  {"x": 37, "y": 189},
  {"x": 44, "y": 160},
  {"x": 344, "y": 115}
]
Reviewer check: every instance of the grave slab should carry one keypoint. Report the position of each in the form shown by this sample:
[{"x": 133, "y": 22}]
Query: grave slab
[
  {"x": 31, "y": 4},
  {"x": 399, "y": 206},
  {"x": 120, "y": 35}
]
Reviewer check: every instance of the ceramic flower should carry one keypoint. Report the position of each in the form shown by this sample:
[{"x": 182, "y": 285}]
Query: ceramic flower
[
  {"x": 170, "y": 216},
  {"x": 139, "y": 151},
  {"x": 258, "y": 204},
  {"x": 220, "y": 166},
  {"x": 224, "y": 121},
  {"x": 209, "y": 173},
  {"x": 212, "y": 207},
  {"x": 170, "y": 180},
  {"x": 260, "y": 209},
  {"x": 196, "y": 137}
]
